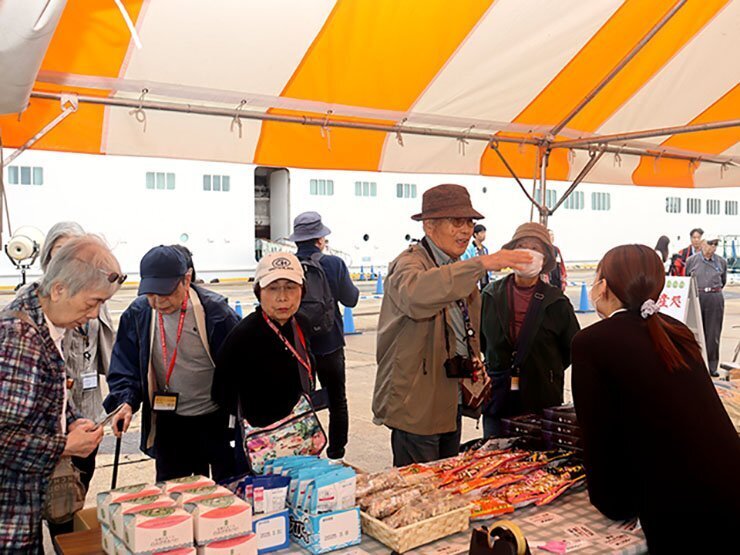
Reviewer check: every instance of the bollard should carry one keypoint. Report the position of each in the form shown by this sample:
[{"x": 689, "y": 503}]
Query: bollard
[
  {"x": 379, "y": 284},
  {"x": 349, "y": 322}
]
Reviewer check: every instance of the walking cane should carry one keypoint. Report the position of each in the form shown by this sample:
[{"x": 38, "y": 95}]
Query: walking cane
[{"x": 117, "y": 455}]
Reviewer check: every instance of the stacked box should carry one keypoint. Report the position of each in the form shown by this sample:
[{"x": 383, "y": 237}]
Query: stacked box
[
  {"x": 160, "y": 529},
  {"x": 560, "y": 428},
  {"x": 118, "y": 509},
  {"x": 219, "y": 518},
  {"x": 187, "y": 482},
  {"x": 528, "y": 426},
  {"x": 243, "y": 545},
  {"x": 105, "y": 498},
  {"x": 197, "y": 493}
]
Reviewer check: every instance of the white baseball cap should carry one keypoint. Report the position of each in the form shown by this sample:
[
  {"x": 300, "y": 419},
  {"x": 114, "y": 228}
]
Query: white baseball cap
[
  {"x": 710, "y": 236},
  {"x": 278, "y": 265}
]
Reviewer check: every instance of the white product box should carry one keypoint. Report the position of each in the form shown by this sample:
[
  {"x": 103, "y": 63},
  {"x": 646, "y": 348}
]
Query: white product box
[
  {"x": 118, "y": 509},
  {"x": 107, "y": 540},
  {"x": 243, "y": 545},
  {"x": 197, "y": 493},
  {"x": 187, "y": 482},
  {"x": 157, "y": 530},
  {"x": 105, "y": 498},
  {"x": 220, "y": 518}
]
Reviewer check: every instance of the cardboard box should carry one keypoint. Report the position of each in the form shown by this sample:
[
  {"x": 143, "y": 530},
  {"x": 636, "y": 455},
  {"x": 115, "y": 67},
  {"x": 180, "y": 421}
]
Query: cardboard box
[
  {"x": 86, "y": 519},
  {"x": 243, "y": 545},
  {"x": 197, "y": 493},
  {"x": 186, "y": 482},
  {"x": 273, "y": 531},
  {"x": 105, "y": 498},
  {"x": 160, "y": 529},
  {"x": 117, "y": 510},
  {"x": 220, "y": 518},
  {"x": 324, "y": 532},
  {"x": 565, "y": 414}
]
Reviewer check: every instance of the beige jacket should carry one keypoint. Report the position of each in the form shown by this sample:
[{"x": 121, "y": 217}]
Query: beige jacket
[{"x": 412, "y": 390}]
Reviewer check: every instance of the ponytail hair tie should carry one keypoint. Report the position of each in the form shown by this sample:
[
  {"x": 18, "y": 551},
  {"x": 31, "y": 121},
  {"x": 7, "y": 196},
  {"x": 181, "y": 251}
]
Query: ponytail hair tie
[{"x": 649, "y": 308}]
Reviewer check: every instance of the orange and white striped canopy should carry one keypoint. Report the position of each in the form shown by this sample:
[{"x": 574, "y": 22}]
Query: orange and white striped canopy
[{"x": 462, "y": 75}]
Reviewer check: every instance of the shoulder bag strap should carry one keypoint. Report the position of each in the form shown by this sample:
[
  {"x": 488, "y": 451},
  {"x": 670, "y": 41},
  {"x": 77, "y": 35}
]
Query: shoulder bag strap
[{"x": 527, "y": 332}]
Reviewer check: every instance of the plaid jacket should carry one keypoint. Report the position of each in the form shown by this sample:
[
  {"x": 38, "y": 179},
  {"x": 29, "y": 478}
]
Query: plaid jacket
[{"x": 32, "y": 381}]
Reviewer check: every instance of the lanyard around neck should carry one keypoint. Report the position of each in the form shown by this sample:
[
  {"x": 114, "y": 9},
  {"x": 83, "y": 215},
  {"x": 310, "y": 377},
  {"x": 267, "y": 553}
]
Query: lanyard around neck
[
  {"x": 163, "y": 339},
  {"x": 305, "y": 362}
]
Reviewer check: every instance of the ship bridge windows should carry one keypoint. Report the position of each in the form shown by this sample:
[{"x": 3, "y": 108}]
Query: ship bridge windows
[
  {"x": 575, "y": 201},
  {"x": 321, "y": 187},
  {"x": 673, "y": 205},
  {"x": 693, "y": 205},
  {"x": 220, "y": 183},
  {"x": 601, "y": 201},
  {"x": 731, "y": 208},
  {"x": 405, "y": 190},
  {"x": 25, "y": 175},
  {"x": 160, "y": 181},
  {"x": 713, "y": 207},
  {"x": 366, "y": 189}
]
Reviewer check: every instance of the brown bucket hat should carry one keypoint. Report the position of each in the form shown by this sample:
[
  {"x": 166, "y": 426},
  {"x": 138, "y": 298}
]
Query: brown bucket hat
[
  {"x": 446, "y": 201},
  {"x": 536, "y": 231}
]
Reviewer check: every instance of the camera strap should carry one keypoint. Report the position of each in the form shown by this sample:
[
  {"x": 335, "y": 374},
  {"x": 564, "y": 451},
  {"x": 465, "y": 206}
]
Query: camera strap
[{"x": 462, "y": 305}]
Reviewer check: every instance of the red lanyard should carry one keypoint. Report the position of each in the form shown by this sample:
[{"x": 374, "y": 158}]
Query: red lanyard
[
  {"x": 163, "y": 338},
  {"x": 305, "y": 362}
]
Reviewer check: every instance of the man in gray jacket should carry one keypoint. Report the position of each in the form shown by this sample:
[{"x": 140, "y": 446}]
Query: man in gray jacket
[{"x": 428, "y": 329}]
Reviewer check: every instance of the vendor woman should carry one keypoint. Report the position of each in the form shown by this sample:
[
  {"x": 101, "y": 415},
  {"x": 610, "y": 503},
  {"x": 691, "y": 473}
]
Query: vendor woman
[
  {"x": 657, "y": 442},
  {"x": 264, "y": 365}
]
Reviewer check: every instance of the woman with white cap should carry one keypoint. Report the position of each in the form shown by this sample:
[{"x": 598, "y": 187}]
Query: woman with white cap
[{"x": 265, "y": 365}]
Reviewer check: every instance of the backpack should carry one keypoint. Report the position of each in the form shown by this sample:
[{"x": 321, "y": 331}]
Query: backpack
[
  {"x": 678, "y": 266},
  {"x": 317, "y": 306}
]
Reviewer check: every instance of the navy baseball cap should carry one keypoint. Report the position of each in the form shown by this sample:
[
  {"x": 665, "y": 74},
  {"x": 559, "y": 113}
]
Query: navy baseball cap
[{"x": 161, "y": 270}]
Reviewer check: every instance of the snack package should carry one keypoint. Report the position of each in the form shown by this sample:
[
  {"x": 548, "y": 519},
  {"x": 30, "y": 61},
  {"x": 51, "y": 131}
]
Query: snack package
[
  {"x": 331, "y": 491},
  {"x": 157, "y": 530},
  {"x": 384, "y": 504},
  {"x": 238, "y": 485},
  {"x": 117, "y": 510},
  {"x": 243, "y": 545},
  {"x": 433, "y": 504},
  {"x": 187, "y": 482},
  {"x": 276, "y": 465},
  {"x": 489, "y": 507},
  {"x": 219, "y": 518},
  {"x": 299, "y": 480},
  {"x": 368, "y": 484},
  {"x": 269, "y": 493},
  {"x": 105, "y": 498},
  {"x": 196, "y": 494}
]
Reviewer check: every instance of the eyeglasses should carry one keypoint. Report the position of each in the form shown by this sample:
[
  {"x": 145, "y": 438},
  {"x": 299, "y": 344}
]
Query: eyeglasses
[
  {"x": 113, "y": 277},
  {"x": 713, "y": 243},
  {"x": 462, "y": 222}
]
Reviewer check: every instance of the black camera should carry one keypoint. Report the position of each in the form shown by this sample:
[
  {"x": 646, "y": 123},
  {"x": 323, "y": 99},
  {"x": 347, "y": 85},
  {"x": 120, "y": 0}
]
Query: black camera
[{"x": 459, "y": 367}]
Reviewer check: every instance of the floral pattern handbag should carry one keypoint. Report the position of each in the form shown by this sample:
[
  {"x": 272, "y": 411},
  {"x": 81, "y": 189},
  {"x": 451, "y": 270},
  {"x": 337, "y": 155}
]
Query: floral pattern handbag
[{"x": 299, "y": 433}]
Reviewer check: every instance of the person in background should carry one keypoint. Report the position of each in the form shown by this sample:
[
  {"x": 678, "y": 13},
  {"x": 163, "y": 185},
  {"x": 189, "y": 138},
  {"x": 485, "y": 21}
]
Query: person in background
[
  {"x": 309, "y": 234},
  {"x": 526, "y": 330},
  {"x": 558, "y": 277},
  {"x": 477, "y": 248},
  {"x": 163, "y": 361},
  {"x": 87, "y": 350},
  {"x": 37, "y": 425},
  {"x": 428, "y": 329},
  {"x": 710, "y": 271},
  {"x": 656, "y": 437},
  {"x": 662, "y": 250},
  {"x": 678, "y": 263}
]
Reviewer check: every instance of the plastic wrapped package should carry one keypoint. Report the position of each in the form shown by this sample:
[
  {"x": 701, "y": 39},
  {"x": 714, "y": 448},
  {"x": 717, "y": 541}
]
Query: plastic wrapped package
[
  {"x": 433, "y": 504},
  {"x": 371, "y": 483}
]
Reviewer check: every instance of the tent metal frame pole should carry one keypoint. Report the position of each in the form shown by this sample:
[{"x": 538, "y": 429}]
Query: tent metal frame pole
[
  {"x": 325, "y": 122},
  {"x": 495, "y": 148},
  {"x": 69, "y": 106},
  {"x": 544, "y": 162},
  {"x": 618, "y": 68},
  {"x": 659, "y": 132},
  {"x": 595, "y": 157}
]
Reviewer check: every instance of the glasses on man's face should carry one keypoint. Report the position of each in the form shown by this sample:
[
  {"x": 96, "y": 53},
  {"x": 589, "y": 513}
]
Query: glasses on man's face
[
  {"x": 712, "y": 243},
  {"x": 462, "y": 222},
  {"x": 289, "y": 288},
  {"x": 113, "y": 277}
]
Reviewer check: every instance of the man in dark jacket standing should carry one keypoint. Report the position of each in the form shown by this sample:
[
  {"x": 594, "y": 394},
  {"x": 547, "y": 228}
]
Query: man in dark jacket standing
[
  {"x": 163, "y": 361},
  {"x": 526, "y": 330},
  {"x": 309, "y": 233}
]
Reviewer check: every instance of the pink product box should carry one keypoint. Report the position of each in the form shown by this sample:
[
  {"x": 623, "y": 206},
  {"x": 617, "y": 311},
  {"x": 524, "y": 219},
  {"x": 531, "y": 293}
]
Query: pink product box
[
  {"x": 186, "y": 482},
  {"x": 154, "y": 530},
  {"x": 220, "y": 518},
  {"x": 105, "y": 498},
  {"x": 243, "y": 545},
  {"x": 121, "y": 549},
  {"x": 198, "y": 493},
  {"x": 117, "y": 510}
]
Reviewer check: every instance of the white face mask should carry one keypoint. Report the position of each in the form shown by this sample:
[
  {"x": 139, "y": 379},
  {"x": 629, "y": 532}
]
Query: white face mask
[
  {"x": 534, "y": 268},
  {"x": 595, "y": 300}
]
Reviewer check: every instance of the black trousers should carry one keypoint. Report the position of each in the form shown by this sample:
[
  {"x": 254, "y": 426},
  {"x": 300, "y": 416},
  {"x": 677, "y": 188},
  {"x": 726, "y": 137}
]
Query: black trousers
[
  {"x": 411, "y": 448},
  {"x": 187, "y": 445},
  {"x": 712, "y": 313},
  {"x": 331, "y": 372}
]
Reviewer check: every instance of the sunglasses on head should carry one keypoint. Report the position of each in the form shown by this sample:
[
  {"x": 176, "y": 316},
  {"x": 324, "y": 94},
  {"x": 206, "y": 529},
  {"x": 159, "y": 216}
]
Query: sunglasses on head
[{"x": 113, "y": 277}]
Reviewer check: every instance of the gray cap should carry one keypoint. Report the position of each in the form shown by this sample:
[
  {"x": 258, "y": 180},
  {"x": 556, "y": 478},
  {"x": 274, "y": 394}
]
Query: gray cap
[{"x": 308, "y": 226}]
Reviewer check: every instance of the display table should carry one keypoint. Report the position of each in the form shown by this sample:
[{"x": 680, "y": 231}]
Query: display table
[{"x": 571, "y": 517}]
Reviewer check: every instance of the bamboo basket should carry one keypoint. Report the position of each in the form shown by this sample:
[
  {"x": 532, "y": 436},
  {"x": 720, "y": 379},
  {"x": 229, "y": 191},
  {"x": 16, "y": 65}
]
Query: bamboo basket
[{"x": 420, "y": 533}]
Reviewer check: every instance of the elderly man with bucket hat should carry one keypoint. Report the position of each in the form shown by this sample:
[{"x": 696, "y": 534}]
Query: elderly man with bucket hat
[
  {"x": 162, "y": 361},
  {"x": 526, "y": 330},
  {"x": 428, "y": 329},
  {"x": 309, "y": 234}
]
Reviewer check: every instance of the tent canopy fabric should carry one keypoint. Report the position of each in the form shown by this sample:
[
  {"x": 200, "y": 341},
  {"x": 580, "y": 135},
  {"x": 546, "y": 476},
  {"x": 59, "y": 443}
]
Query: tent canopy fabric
[{"x": 399, "y": 86}]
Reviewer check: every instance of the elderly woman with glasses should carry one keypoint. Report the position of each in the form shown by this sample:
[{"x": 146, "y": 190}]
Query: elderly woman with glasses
[{"x": 37, "y": 426}]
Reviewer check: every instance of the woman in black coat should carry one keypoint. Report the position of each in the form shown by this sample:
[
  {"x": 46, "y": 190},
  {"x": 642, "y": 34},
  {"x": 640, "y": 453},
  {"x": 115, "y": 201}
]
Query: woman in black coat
[{"x": 658, "y": 443}]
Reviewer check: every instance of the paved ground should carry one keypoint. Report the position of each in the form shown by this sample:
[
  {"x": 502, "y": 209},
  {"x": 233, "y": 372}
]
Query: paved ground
[{"x": 369, "y": 445}]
